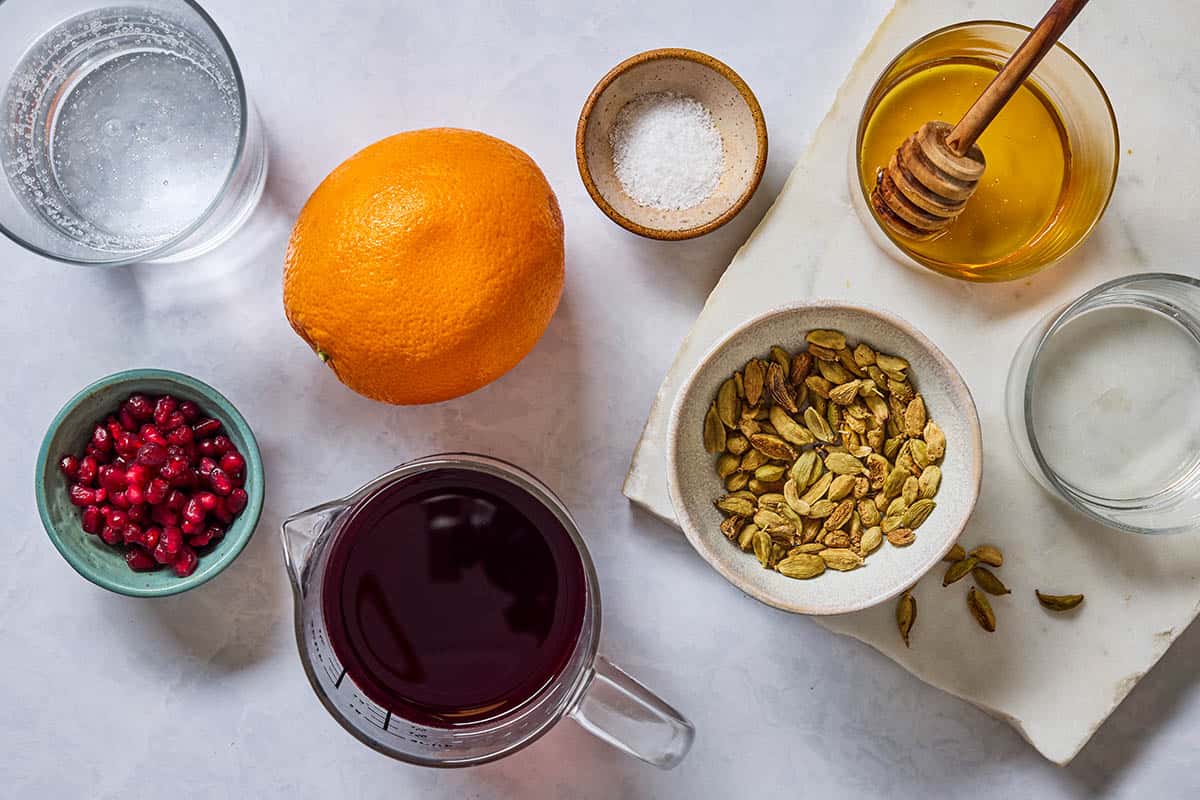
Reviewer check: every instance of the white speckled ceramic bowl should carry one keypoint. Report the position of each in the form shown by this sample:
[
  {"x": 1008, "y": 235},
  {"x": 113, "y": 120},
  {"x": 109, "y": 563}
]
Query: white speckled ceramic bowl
[{"x": 694, "y": 484}]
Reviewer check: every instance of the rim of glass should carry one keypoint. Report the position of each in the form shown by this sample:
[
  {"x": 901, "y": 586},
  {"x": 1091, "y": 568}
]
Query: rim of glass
[
  {"x": 1083, "y": 501},
  {"x": 587, "y": 645},
  {"x": 1112, "y": 117},
  {"x": 174, "y": 241}
]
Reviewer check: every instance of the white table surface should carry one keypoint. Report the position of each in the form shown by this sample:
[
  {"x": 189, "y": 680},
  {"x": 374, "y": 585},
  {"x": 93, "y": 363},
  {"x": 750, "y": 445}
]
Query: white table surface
[{"x": 202, "y": 695}]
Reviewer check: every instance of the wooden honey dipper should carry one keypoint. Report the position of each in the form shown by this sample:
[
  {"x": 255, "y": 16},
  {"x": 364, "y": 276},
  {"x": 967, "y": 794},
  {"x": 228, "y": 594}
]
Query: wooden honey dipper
[{"x": 933, "y": 174}]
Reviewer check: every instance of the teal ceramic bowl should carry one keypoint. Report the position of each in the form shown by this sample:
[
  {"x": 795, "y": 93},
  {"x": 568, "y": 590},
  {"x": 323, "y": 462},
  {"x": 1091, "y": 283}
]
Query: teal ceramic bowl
[{"x": 69, "y": 432}]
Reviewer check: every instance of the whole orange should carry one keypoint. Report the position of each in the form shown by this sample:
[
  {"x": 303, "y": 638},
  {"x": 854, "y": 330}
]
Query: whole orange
[{"x": 426, "y": 265}]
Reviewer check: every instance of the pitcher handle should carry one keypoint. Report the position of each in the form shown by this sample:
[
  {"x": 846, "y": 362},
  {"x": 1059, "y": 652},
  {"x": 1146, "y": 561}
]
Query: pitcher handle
[{"x": 621, "y": 711}]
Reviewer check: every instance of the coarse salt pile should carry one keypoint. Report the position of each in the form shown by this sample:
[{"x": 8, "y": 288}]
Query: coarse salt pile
[{"x": 667, "y": 152}]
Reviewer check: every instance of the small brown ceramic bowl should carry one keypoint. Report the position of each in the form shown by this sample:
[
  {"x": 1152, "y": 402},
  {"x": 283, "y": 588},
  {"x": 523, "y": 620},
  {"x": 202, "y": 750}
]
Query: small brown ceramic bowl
[{"x": 735, "y": 112}]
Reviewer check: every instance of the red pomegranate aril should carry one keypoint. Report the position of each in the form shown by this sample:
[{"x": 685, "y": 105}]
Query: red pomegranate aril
[
  {"x": 127, "y": 444},
  {"x": 92, "y": 519},
  {"x": 176, "y": 500},
  {"x": 137, "y": 511},
  {"x": 206, "y": 448},
  {"x": 152, "y": 455},
  {"x": 114, "y": 428},
  {"x": 207, "y": 500},
  {"x": 206, "y": 428},
  {"x": 152, "y": 435},
  {"x": 87, "y": 470},
  {"x": 150, "y": 537},
  {"x": 190, "y": 411},
  {"x": 139, "y": 406},
  {"x": 169, "y": 542},
  {"x": 110, "y": 535},
  {"x": 222, "y": 444},
  {"x": 101, "y": 439},
  {"x": 112, "y": 478},
  {"x": 174, "y": 421},
  {"x": 174, "y": 469},
  {"x": 164, "y": 516},
  {"x": 220, "y": 482},
  {"x": 118, "y": 499},
  {"x": 207, "y": 465},
  {"x": 232, "y": 462},
  {"x": 194, "y": 511},
  {"x": 181, "y": 435},
  {"x": 83, "y": 496},
  {"x": 222, "y": 512},
  {"x": 135, "y": 494},
  {"x": 137, "y": 474},
  {"x": 237, "y": 501},
  {"x": 118, "y": 518},
  {"x": 139, "y": 560},
  {"x": 163, "y": 409},
  {"x": 185, "y": 563},
  {"x": 191, "y": 528},
  {"x": 131, "y": 534},
  {"x": 126, "y": 419},
  {"x": 69, "y": 466},
  {"x": 206, "y": 537},
  {"x": 156, "y": 491}
]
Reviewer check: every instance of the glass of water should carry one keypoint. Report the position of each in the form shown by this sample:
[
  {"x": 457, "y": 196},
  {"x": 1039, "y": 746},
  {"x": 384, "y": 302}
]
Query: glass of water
[
  {"x": 1103, "y": 403},
  {"x": 127, "y": 132}
]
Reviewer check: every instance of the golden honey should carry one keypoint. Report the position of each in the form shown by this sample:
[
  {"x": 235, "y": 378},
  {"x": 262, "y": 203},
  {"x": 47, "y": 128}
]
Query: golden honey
[{"x": 1027, "y": 152}]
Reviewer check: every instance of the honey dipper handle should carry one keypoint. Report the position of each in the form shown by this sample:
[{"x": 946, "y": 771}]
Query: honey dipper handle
[{"x": 1009, "y": 79}]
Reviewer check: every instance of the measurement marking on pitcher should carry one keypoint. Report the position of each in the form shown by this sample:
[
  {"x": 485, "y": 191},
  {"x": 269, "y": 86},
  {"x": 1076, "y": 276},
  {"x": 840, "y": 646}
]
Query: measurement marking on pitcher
[
  {"x": 338, "y": 683},
  {"x": 387, "y": 720}
]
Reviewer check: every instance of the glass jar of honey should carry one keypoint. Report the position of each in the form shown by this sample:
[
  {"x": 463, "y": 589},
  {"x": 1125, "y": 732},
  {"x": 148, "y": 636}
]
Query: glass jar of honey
[{"x": 1052, "y": 152}]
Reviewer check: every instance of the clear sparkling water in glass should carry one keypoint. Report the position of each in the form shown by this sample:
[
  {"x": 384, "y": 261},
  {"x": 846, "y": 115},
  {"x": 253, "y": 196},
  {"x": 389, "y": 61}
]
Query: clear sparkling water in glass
[{"x": 128, "y": 135}]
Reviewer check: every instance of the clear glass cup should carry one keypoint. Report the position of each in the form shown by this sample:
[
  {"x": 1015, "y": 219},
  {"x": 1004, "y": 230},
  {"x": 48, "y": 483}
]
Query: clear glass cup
[
  {"x": 1087, "y": 121},
  {"x": 1103, "y": 403},
  {"x": 128, "y": 135},
  {"x": 595, "y": 693}
]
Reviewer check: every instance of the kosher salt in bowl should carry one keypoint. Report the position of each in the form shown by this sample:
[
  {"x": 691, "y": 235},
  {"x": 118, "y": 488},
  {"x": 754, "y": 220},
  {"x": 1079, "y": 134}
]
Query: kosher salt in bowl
[
  {"x": 735, "y": 113},
  {"x": 694, "y": 485}
]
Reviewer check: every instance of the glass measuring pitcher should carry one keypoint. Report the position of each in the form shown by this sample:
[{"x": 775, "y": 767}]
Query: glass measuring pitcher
[{"x": 595, "y": 693}]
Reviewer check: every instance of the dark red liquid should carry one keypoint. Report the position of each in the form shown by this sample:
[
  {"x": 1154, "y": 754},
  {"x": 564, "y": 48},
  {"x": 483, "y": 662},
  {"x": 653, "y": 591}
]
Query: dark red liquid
[{"x": 454, "y": 597}]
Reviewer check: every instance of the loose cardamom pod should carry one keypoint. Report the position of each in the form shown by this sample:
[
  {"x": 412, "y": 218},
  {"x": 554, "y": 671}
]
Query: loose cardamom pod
[
  {"x": 989, "y": 554},
  {"x": 956, "y": 554},
  {"x": 988, "y": 581},
  {"x": 1058, "y": 602},
  {"x": 981, "y": 610},
  {"x": 959, "y": 569},
  {"x": 906, "y": 615}
]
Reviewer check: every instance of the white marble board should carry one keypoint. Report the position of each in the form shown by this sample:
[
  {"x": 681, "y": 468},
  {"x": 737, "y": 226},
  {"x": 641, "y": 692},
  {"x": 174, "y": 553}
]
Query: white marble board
[{"x": 1054, "y": 679}]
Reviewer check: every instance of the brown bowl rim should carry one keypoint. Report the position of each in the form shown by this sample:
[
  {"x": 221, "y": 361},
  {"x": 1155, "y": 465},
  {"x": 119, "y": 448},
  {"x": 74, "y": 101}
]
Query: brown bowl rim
[{"x": 760, "y": 128}]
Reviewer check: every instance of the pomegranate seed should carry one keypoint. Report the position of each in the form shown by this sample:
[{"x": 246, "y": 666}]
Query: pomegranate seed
[
  {"x": 114, "y": 428},
  {"x": 137, "y": 511},
  {"x": 164, "y": 516},
  {"x": 92, "y": 519},
  {"x": 185, "y": 563},
  {"x": 127, "y": 444},
  {"x": 232, "y": 462},
  {"x": 174, "y": 421},
  {"x": 181, "y": 435},
  {"x": 118, "y": 499},
  {"x": 206, "y": 448},
  {"x": 207, "y": 465},
  {"x": 220, "y": 482},
  {"x": 206, "y": 428},
  {"x": 152, "y": 435},
  {"x": 120, "y": 463},
  {"x": 193, "y": 511},
  {"x": 131, "y": 534},
  {"x": 174, "y": 469},
  {"x": 127, "y": 421},
  {"x": 102, "y": 439},
  {"x": 222, "y": 444},
  {"x": 152, "y": 455},
  {"x": 112, "y": 478},
  {"x": 110, "y": 535},
  {"x": 222, "y": 512},
  {"x": 150, "y": 537},
  {"x": 69, "y": 465},
  {"x": 83, "y": 496},
  {"x": 139, "y": 560},
  {"x": 169, "y": 542},
  {"x": 156, "y": 491},
  {"x": 101, "y": 494},
  {"x": 139, "y": 406},
  {"x": 175, "y": 451},
  {"x": 206, "y": 537},
  {"x": 207, "y": 500},
  {"x": 237, "y": 501},
  {"x": 117, "y": 519},
  {"x": 190, "y": 411},
  {"x": 87, "y": 470},
  {"x": 176, "y": 500},
  {"x": 191, "y": 528},
  {"x": 163, "y": 409},
  {"x": 136, "y": 495}
]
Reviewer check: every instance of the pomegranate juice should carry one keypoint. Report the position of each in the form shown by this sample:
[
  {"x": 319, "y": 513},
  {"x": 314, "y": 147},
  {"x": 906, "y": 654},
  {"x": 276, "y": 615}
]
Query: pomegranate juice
[{"x": 453, "y": 597}]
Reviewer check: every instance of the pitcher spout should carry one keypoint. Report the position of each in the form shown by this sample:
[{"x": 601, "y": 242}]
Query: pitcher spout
[{"x": 301, "y": 533}]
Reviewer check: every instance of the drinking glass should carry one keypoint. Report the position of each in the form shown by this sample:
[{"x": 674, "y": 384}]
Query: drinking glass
[
  {"x": 1102, "y": 403},
  {"x": 127, "y": 132},
  {"x": 595, "y": 693}
]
